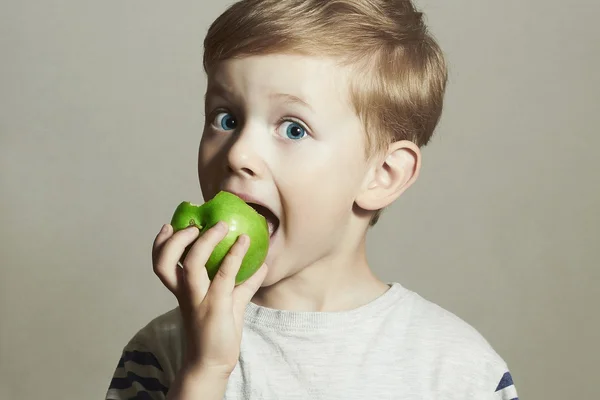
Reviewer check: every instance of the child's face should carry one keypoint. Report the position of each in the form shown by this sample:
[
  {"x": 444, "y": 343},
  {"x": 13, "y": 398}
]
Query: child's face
[{"x": 280, "y": 128}]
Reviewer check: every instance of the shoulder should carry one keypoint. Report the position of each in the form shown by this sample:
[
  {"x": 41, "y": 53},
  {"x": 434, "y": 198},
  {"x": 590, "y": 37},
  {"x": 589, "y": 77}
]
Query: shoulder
[
  {"x": 150, "y": 360},
  {"x": 455, "y": 350},
  {"x": 164, "y": 331},
  {"x": 448, "y": 330}
]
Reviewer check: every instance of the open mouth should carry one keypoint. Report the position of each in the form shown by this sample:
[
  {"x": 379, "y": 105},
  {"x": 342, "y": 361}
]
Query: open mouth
[{"x": 272, "y": 220}]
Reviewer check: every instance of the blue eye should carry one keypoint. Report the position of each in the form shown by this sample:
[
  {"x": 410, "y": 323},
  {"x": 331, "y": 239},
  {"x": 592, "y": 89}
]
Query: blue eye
[
  {"x": 293, "y": 130},
  {"x": 225, "y": 121}
]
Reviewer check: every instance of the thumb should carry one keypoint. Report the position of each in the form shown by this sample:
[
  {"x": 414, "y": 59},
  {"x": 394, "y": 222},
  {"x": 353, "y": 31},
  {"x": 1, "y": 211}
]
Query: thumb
[{"x": 243, "y": 293}]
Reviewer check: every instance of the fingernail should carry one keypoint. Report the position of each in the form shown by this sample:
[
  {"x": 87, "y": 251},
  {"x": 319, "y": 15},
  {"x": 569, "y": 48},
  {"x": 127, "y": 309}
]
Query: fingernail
[
  {"x": 221, "y": 226},
  {"x": 163, "y": 229}
]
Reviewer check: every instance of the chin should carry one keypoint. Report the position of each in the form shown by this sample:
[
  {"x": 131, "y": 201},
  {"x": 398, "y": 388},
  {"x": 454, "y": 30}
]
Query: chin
[
  {"x": 270, "y": 280},
  {"x": 272, "y": 274}
]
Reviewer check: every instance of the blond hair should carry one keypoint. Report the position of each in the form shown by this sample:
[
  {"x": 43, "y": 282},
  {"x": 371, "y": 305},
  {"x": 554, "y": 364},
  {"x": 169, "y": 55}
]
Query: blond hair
[{"x": 401, "y": 74}]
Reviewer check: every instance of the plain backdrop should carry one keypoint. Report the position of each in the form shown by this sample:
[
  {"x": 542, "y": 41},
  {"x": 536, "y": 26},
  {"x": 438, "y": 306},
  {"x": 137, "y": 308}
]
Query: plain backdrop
[{"x": 101, "y": 112}]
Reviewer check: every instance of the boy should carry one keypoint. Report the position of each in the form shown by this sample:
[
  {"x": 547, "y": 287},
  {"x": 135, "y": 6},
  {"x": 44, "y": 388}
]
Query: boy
[{"x": 317, "y": 111}]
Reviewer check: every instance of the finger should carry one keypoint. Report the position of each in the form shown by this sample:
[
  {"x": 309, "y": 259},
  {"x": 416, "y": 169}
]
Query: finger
[
  {"x": 224, "y": 281},
  {"x": 167, "y": 277},
  {"x": 160, "y": 240},
  {"x": 168, "y": 251},
  {"x": 243, "y": 294},
  {"x": 194, "y": 266}
]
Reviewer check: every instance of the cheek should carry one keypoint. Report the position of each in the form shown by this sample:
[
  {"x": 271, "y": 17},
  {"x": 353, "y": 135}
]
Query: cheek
[
  {"x": 203, "y": 162},
  {"x": 336, "y": 176},
  {"x": 209, "y": 165},
  {"x": 320, "y": 199},
  {"x": 208, "y": 149},
  {"x": 313, "y": 228},
  {"x": 213, "y": 148}
]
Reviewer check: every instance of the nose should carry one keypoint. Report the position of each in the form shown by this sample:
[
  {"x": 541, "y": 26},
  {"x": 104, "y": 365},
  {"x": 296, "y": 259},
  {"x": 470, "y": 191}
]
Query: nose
[{"x": 244, "y": 157}]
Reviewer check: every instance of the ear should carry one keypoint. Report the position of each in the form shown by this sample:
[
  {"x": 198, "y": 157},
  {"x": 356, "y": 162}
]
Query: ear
[{"x": 390, "y": 175}]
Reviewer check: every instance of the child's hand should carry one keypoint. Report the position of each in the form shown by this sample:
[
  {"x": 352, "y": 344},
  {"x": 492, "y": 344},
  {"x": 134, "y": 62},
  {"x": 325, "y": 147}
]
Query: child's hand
[{"x": 212, "y": 312}]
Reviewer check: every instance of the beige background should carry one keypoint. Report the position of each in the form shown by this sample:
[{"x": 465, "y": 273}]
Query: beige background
[{"x": 100, "y": 118}]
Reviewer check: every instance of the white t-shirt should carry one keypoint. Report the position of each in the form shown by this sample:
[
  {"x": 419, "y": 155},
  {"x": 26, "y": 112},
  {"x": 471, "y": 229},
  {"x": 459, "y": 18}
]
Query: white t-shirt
[{"x": 399, "y": 346}]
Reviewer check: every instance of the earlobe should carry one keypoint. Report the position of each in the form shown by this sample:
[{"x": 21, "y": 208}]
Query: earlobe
[{"x": 391, "y": 175}]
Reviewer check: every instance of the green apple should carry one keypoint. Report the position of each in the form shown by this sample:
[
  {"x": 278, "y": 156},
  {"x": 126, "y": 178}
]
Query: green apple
[{"x": 240, "y": 218}]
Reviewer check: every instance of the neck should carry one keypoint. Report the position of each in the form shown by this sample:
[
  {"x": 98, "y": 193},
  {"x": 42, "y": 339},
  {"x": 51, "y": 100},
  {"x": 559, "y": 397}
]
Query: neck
[{"x": 339, "y": 282}]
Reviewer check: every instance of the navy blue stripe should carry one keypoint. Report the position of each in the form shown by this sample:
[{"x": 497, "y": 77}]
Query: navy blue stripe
[
  {"x": 151, "y": 384},
  {"x": 142, "y": 396},
  {"x": 139, "y": 357},
  {"x": 516, "y": 398},
  {"x": 505, "y": 382},
  {"x": 121, "y": 363}
]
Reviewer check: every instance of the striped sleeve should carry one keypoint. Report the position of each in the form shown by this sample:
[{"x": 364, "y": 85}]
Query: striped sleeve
[
  {"x": 139, "y": 375},
  {"x": 506, "y": 388}
]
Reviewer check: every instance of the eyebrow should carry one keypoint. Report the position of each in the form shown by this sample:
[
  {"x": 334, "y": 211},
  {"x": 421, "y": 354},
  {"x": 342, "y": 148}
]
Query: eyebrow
[
  {"x": 217, "y": 90},
  {"x": 222, "y": 91},
  {"x": 289, "y": 98}
]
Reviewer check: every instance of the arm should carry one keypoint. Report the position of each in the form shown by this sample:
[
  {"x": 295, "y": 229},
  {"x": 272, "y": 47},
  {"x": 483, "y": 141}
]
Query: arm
[
  {"x": 506, "y": 388},
  {"x": 212, "y": 311},
  {"x": 202, "y": 385}
]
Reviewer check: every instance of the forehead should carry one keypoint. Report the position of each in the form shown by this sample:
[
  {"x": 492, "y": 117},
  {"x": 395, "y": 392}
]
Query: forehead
[{"x": 318, "y": 81}]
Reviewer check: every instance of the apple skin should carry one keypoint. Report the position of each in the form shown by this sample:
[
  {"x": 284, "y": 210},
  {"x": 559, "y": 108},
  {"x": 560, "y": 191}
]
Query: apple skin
[{"x": 240, "y": 218}]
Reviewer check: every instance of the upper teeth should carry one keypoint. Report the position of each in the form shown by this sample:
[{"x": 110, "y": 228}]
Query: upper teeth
[{"x": 271, "y": 227}]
